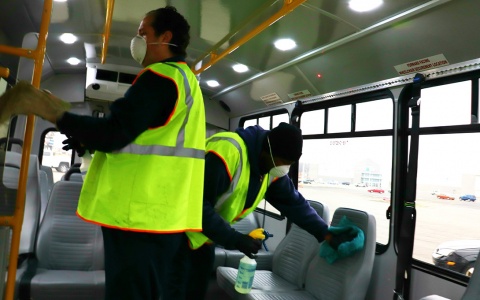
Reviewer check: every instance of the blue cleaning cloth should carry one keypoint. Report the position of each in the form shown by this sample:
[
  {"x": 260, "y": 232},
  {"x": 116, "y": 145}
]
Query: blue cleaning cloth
[{"x": 344, "y": 249}]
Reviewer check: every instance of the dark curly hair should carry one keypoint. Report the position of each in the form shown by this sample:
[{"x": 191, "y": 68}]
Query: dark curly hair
[{"x": 167, "y": 18}]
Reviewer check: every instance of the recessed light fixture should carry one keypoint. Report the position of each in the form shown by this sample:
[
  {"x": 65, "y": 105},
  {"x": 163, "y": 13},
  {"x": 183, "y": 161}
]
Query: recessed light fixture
[
  {"x": 364, "y": 5},
  {"x": 73, "y": 61},
  {"x": 68, "y": 38},
  {"x": 240, "y": 68},
  {"x": 60, "y": 0},
  {"x": 285, "y": 44},
  {"x": 213, "y": 83}
]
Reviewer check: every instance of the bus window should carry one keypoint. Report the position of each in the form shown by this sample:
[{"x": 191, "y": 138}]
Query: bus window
[
  {"x": 374, "y": 115},
  {"x": 250, "y": 122},
  {"x": 447, "y": 104},
  {"x": 349, "y": 172},
  {"x": 54, "y": 156},
  {"x": 277, "y": 119},
  {"x": 448, "y": 181},
  {"x": 313, "y": 122},
  {"x": 339, "y": 119},
  {"x": 264, "y": 122}
]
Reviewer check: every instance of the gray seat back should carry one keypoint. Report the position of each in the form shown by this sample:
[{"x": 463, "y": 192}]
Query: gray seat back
[
  {"x": 293, "y": 254},
  {"x": 44, "y": 192},
  {"x": 65, "y": 242},
  {"x": 347, "y": 278},
  {"x": 10, "y": 174},
  {"x": 49, "y": 173}
]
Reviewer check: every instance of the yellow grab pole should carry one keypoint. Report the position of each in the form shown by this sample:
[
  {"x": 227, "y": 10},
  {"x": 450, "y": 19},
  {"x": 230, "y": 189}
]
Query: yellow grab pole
[
  {"x": 17, "y": 220},
  {"x": 288, "y": 6},
  {"x": 108, "y": 25}
]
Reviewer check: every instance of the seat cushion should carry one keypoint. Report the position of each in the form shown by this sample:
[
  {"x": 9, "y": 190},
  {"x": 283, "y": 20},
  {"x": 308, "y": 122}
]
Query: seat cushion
[
  {"x": 72, "y": 285},
  {"x": 263, "y": 281}
]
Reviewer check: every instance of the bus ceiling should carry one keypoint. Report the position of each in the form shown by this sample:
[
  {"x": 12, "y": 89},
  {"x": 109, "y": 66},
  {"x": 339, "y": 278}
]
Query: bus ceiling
[{"x": 232, "y": 49}]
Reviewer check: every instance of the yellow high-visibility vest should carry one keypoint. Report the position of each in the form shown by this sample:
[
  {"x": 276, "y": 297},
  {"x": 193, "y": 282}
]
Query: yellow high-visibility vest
[
  {"x": 154, "y": 184},
  {"x": 230, "y": 205}
]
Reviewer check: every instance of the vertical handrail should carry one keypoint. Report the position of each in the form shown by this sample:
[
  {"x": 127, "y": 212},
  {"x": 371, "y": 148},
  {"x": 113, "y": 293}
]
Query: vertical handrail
[
  {"x": 288, "y": 6},
  {"x": 15, "y": 222},
  {"x": 108, "y": 25}
]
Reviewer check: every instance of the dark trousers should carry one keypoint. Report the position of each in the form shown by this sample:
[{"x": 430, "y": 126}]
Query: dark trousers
[
  {"x": 194, "y": 272},
  {"x": 137, "y": 264}
]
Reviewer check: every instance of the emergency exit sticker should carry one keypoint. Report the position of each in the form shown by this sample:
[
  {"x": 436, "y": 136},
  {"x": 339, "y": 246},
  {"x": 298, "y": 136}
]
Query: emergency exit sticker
[
  {"x": 422, "y": 64},
  {"x": 271, "y": 99}
]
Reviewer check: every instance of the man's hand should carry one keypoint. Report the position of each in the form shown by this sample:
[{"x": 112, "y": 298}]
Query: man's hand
[
  {"x": 248, "y": 245},
  {"x": 335, "y": 239},
  {"x": 72, "y": 143},
  {"x": 25, "y": 99}
]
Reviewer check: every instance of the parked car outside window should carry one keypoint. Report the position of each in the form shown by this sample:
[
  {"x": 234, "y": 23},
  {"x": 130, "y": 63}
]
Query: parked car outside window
[
  {"x": 458, "y": 256},
  {"x": 445, "y": 197},
  {"x": 380, "y": 191},
  {"x": 468, "y": 197}
]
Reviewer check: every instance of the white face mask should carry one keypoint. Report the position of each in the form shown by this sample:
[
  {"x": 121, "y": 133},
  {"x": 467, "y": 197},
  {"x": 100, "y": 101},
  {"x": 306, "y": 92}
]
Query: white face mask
[
  {"x": 279, "y": 171},
  {"x": 138, "y": 48}
]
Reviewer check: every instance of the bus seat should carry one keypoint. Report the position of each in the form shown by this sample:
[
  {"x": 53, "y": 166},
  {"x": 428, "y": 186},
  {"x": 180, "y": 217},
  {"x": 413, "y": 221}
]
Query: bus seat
[
  {"x": 233, "y": 257},
  {"x": 290, "y": 261},
  {"x": 49, "y": 173},
  {"x": 10, "y": 173},
  {"x": 69, "y": 252},
  {"x": 73, "y": 174},
  {"x": 44, "y": 192},
  {"x": 473, "y": 288}
]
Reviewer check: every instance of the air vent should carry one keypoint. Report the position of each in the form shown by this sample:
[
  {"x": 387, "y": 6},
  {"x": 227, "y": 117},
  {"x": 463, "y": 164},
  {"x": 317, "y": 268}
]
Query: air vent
[
  {"x": 126, "y": 78},
  {"x": 106, "y": 75}
]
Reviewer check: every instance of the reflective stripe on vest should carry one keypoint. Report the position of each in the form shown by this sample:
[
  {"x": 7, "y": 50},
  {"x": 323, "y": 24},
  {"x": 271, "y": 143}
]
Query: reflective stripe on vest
[{"x": 230, "y": 205}]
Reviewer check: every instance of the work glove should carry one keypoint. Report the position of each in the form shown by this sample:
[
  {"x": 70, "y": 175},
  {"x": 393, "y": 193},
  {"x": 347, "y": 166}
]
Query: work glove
[
  {"x": 25, "y": 99},
  {"x": 248, "y": 245},
  {"x": 72, "y": 143},
  {"x": 335, "y": 239}
]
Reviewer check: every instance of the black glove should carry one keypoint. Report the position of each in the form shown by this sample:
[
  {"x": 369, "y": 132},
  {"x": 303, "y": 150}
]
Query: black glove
[
  {"x": 72, "y": 143},
  {"x": 248, "y": 245},
  {"x": 336, "y": 239}
]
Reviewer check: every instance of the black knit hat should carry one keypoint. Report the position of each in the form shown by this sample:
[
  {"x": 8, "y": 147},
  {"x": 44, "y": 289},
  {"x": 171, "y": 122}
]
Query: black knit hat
[{"x": 286, "y": 141}]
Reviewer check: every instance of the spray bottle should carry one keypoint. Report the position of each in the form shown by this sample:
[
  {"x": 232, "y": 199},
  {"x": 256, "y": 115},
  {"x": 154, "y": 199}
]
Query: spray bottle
[{"x": 247, "y": 266}]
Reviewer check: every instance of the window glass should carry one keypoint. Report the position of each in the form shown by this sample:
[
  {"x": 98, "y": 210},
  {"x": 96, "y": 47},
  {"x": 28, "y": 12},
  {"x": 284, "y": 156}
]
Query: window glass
[
  {"x": 349, "y": 172},
  {"x": 448, "y": 184},
  {"x": 54, "y": 156},
  {"x": 339, "y": 119},
  {"x": 250, "y": 122},
  {"x": 374, "y": 115},
  {"x": 277, "y": 119},
  {"x": 313, "y": 122},
  {"x": 264, "y": 122},
  {"x": 445, "y": 105}
]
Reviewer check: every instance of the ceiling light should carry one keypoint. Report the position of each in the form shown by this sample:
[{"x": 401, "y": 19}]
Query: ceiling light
[
  {"x": 240, "y": 68},
  {"x": 68, "y": 38},
  {"x": 364, "y": 5},
  {"x": 213, "y": 83},
  {"x": 73, "y": 61},
  {"x": 285, "y": 44},
  {"x": 60, "y": 0}
]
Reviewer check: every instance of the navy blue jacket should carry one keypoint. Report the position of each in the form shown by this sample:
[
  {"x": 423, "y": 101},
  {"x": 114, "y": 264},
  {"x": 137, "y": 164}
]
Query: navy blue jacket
[{"x": 281, "y": 194}]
